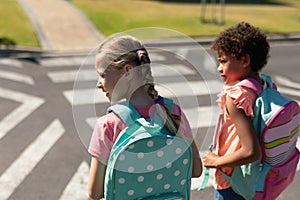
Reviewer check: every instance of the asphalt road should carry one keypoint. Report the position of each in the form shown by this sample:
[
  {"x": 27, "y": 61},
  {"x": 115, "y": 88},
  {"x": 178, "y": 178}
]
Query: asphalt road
[{"x": 48, "y": 110}]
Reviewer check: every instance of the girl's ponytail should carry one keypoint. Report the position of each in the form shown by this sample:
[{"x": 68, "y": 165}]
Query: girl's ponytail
[{"x": 163, "y": 112}]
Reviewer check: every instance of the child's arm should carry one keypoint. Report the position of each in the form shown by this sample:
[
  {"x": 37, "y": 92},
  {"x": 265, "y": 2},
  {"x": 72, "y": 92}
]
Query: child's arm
[
  {"x": 185, "y": 131},
  {"x": 250, "y": 148},
  {"x": 96, "y": 179},
  {"x": 197, "y": 163}
]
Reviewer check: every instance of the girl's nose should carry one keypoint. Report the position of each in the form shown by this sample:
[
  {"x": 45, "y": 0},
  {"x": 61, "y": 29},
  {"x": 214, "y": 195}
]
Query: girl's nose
[
  {"x": 99, "y": 83},
  {"x": 219, "y": 68}
]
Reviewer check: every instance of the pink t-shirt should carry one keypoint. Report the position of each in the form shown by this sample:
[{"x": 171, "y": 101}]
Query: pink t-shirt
[
  {"x": 228, "y": 140},
  {"x": 109, "y": 126}
]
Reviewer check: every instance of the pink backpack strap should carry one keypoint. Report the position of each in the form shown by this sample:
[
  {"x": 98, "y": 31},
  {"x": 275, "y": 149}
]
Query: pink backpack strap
[{"x": 253, "y": 84}]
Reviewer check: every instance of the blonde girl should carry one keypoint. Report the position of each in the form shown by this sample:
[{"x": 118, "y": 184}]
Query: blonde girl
[{"x": 123, "y": 66}]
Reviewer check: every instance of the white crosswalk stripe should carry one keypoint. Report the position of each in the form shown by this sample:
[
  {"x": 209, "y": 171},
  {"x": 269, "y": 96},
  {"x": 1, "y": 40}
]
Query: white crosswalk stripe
[
  {"x": 79, "y": 96},
  {"x": 29, "y": 104},
  {"x": 91, "y": 75},
  {"x": 77, "y": 187},
  {"x": 22, "y": 78},
  {"x": 66, "y": 61},
  {"x": 11, "y": 62},
  {"x": 72, "y": 75},
  {"x": 75, "y": 61},
  {"x": 25, "y": 163}
]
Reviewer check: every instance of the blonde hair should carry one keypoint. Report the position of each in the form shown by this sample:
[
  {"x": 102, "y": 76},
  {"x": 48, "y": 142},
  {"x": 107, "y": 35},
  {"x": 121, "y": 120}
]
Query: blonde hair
[{"x": 121, "y": 50}]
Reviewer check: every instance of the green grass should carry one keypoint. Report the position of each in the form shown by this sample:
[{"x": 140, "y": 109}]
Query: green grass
[
  {"x": 272, "y": 16},
  {"x": 112, "y": 16},
  {"x": 15, "y": 27}
]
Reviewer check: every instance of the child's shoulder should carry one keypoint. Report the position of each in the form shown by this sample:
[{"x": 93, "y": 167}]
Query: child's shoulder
[
  {"x": 243, "y": 97},
  {"x": 110, "y": 120},
  {"x": 237, "y": 90}
]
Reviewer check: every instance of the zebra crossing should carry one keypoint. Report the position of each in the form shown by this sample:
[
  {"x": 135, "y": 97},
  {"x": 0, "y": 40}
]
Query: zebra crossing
[{"x": 177, "y": 80}]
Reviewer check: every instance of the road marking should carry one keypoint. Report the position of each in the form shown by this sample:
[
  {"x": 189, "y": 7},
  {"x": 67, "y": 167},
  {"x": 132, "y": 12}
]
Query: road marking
[
  {"x": 29, "y": 104},
  {"x": 91, "y": 74},
  {"x": 84, "y": 96},
  {"x": 77, "y": 187},
  {"x": 72, "y": 75},
  {"x": 11, "y": 62},
  {"x": 159, "y": 70},
  {"x": 81, "y": 60},
  {"x": 154, "y": 57},
  {"x": 286, "y": 82},
  {"x": 24, "y": 164},
  {"x": 66, "y": 61},
  {"x": 16, "y": 77},
  {"x": 91, "y": 121},
  {"x": 189, "y": 88},
  {"x": 202, "y": 117}
]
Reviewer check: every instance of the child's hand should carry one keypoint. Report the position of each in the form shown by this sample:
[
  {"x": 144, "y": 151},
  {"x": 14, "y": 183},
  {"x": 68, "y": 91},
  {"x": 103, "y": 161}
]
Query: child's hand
[{"x": 210, "y": 160}]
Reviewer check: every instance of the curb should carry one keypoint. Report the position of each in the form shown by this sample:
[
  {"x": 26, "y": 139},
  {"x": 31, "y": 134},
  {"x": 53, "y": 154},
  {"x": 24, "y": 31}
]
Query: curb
[{"x": 28, "y": 52}]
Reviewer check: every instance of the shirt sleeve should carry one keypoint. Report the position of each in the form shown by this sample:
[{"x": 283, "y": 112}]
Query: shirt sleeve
[
  {"x": 106, "y": 131},
  {"x": 100, "y": 143},
  {"x": 243, "y": 98}
]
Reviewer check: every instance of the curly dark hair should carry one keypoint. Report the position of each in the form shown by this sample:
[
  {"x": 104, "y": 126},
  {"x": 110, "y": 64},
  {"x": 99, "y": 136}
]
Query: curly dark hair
[{"x": 244, "y": 39}]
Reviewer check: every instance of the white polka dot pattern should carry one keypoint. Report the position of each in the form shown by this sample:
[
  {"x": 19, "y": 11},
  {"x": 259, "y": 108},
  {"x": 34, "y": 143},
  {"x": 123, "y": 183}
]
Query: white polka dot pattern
[
  {"x": 161, "y": 165},
  {"x": 121, "y": 180},
  {"x": 167, "y": 186},
  {"x": 150, "y": 143},
  {"x": 140, "y": 155},
  {"x": 141, "y": 179},
  {"x": 131, "y": 169},
  {"x": 159, "y": 176},
  {"x": 130, "y": 192}
]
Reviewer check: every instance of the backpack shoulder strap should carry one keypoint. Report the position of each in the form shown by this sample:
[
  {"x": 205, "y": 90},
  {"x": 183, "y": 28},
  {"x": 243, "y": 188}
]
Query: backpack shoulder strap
[
  {"x": 252, "y": 84},
  {"x": 268, "y": 82},
  {"x": 169, "y": 104},
  {"x": 255, "y": 85},
  {"x": 125, "y": 111}
]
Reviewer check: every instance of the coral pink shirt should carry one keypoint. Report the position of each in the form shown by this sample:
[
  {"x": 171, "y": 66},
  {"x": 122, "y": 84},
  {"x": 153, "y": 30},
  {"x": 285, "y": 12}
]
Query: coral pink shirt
[
  {"x": 109, "y": 126},
  {"x": 228, "y": 140}
]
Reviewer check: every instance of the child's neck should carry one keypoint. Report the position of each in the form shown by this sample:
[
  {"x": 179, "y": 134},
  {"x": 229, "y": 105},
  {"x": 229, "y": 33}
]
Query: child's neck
[
  {"x": 141, "y": 98},
  {"x": 255, "y": 75}
]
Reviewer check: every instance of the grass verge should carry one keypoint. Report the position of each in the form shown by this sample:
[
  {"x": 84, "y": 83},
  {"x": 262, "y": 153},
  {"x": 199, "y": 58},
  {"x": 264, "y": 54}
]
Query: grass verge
[
  {"x": 15, "y": 27},
  {"x": 272, "y": 16}
]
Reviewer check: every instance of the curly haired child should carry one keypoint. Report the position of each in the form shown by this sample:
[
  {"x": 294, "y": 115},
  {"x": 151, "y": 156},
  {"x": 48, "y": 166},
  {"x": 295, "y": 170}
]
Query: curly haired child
[{"x": 242, "y": 51}]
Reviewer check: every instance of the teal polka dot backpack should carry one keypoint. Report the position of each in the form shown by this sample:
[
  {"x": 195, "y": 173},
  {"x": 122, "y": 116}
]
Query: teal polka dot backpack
[{"x": 146, "y": 161}]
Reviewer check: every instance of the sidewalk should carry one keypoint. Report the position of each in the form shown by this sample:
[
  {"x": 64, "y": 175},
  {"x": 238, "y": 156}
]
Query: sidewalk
[{"x": 60, "y": 27}]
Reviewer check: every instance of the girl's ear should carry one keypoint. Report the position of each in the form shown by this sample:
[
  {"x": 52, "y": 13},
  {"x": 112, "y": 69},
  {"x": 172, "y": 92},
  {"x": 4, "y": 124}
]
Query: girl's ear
[
  {"x": 246, "y": 60},
  {"x": 128, "y": 67},
  {"x": 128, "y": 71}
]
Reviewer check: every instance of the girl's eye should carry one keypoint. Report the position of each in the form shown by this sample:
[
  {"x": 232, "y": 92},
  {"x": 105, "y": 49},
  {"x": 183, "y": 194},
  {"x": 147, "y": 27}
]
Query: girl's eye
[
  {"x": 102, "y": 75},
  {"x": 222, "y": 61}
]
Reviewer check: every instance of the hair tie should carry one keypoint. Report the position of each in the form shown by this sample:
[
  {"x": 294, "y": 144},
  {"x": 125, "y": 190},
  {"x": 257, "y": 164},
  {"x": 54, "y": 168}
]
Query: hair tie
[{"x": 139, "y": 54}]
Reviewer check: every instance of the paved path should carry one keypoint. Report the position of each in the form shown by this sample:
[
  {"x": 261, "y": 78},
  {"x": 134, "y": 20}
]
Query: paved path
[{"x": 60, "y": 26}]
